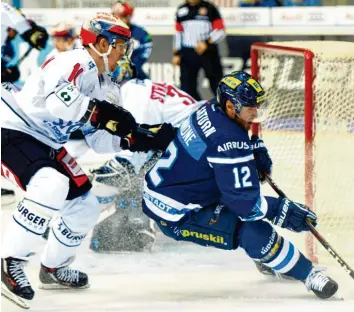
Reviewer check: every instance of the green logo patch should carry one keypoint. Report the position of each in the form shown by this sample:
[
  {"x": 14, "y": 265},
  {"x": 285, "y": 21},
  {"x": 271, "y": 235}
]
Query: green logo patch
[{"x": 68, "y": 94}]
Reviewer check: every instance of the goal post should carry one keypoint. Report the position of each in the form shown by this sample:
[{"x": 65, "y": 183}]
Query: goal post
[{"x": 309, "y": 130}]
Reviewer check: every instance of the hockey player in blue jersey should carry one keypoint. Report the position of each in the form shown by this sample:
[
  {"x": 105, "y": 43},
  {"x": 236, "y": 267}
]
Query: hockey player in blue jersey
[
  {"x": 142, "y": 39},
  {"x": 205, "y": 187}
]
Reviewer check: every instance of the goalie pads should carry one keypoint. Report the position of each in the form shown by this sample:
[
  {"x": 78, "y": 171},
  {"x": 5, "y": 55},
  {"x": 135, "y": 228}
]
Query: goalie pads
[
  {"x": 123, "y": 226},
  {"x": 110, "y": 180}
]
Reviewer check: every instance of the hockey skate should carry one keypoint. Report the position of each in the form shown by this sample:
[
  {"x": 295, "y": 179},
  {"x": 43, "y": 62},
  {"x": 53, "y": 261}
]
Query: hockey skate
[
  {"x": 62, "y": 278},
  {"x": 322, "y": 285},
  {"x": 267, "y": 271},
  {"x": 14, "y": 283}
]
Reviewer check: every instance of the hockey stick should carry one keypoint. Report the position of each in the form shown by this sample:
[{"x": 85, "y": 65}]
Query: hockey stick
[
  {"x": 314, "y": 232},
  {"x": 24, "y": 56}
]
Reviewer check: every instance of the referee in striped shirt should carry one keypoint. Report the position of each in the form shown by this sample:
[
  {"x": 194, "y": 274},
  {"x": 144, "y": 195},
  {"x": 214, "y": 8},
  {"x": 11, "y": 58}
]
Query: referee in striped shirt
[{"x": 199, "y": 28}]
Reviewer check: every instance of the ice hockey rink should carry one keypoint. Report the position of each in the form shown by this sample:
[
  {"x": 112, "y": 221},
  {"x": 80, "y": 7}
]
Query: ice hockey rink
[{"x": 176, "y": 277}]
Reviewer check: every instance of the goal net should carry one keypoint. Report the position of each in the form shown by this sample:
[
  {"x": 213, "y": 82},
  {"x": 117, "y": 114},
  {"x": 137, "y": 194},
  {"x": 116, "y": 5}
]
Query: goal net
[{"x": 309, "y": 131}]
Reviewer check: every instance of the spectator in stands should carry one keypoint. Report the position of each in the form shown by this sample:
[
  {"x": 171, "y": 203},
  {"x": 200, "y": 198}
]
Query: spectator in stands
[
  {"x": 302, "y": 2},
  {"x": 259, "y": 3},
  {"x": 142, "y": 39},
  {"x": 199, "y": 29}
]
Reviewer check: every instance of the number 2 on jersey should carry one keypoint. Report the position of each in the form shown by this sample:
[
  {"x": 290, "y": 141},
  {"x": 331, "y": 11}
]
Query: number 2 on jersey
[
  {"x": 242, "y": 177},
  {"x": 163, "y": 163}
]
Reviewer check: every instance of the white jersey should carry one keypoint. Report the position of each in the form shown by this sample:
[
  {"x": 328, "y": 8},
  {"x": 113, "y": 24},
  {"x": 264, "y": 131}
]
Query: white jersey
[
  {"x": 154, "y": 103},
  {"x": 55, "y": 98},
  {"x": 77, "y": 45},
  {"x": 12, "y": 18}
]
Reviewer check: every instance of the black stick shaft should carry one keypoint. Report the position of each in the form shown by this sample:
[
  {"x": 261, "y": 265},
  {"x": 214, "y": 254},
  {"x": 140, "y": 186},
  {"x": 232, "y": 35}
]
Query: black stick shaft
[{"x": 24, "y": 56}]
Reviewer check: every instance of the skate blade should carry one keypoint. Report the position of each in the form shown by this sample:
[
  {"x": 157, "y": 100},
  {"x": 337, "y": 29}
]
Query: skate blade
[
  {"x": 56, "y": 286},
  {"x": 13, "y": 298},
  {"x": 336, "y": 297}
]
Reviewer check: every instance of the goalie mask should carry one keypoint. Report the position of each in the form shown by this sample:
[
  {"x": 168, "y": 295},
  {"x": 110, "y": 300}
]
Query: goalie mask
[
  {"x": 241, "y": 89},
  {"x": 109, "y": 181},
  {"x": 124, "y": 71}
]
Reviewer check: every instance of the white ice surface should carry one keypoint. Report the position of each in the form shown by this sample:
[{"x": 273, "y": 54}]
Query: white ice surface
[{"x": 175, "y": 277}]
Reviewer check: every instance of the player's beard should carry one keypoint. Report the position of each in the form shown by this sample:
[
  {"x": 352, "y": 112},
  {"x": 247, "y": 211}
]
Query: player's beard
[{"x": 243, "y": 123}]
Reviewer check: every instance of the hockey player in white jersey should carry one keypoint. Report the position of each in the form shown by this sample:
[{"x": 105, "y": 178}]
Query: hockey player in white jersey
[
  {"x": 64, "y": 94},
  {"x": 119, "y": 182},
  {"x": 64, "y": 37},
  {"x": 13, "y": 22}
]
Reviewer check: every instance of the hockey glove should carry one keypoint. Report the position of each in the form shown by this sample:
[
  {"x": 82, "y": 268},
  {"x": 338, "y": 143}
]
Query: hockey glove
[
  {"x": 293, "y": 216},
  {"x": 37, "y": 36},
  {"x": 10, "y": 74},
  {"x": 263, "y": 161},
  {"x": 114, "y": 119},
  {"x": 149, "y": 137}
]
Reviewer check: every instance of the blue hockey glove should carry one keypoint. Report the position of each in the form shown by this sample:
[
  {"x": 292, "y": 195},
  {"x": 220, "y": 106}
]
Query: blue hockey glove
[
  {"x": 293, "y": 216},
  {"x": 263, "y": 161}
]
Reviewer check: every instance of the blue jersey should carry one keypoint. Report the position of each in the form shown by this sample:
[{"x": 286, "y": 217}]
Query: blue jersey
[
  {"x": 209, "y": 162},
  {"x": 7, "y": 53},
  {"x": 141, "y": 53},
  {"x": 142, "y": 46}
]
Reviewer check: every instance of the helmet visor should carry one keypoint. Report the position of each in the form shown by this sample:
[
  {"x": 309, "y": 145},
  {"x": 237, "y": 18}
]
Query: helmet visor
[{"x": 125, "y": 47}]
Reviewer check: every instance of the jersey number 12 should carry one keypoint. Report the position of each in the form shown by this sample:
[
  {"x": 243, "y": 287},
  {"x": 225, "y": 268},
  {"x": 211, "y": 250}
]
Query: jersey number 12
[{"x": 242, "y": 177}]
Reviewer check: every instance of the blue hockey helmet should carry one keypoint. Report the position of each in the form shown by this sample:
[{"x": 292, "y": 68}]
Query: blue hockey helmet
[{"x": 241, "y": 89}]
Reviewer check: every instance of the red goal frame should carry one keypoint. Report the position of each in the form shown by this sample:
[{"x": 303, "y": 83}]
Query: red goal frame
[{"x": 309, "y": 125}]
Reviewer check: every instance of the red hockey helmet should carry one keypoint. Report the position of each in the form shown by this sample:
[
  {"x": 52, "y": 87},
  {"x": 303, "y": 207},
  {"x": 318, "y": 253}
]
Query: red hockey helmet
[
  {"x": 110, "y": 27},
  {"x": 64, "y": 30},
  {"x": 122, "y": 8},
  {"x": 106, "y": 25}
]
